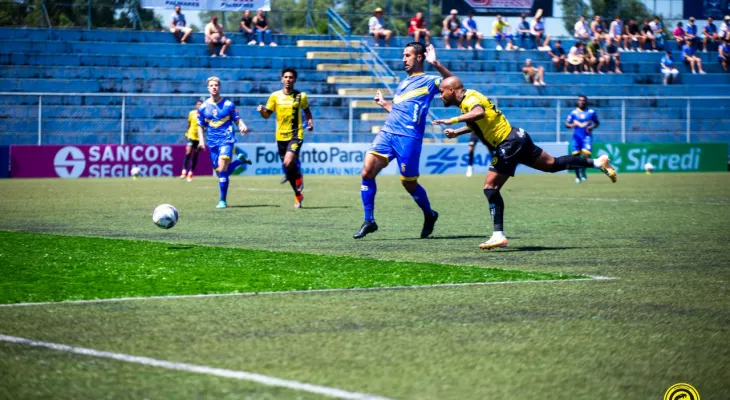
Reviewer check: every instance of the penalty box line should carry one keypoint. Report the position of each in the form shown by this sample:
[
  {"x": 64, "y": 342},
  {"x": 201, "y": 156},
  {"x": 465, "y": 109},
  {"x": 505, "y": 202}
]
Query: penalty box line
[
  {"x": 199, "y": 369},
  {"x": 313, "y": 291}
]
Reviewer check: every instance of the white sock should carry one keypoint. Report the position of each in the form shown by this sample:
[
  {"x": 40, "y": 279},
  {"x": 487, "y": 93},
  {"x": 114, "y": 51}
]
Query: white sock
[
  {"x": 596, "y": 163},
  {"x": 497, "y": 234}
]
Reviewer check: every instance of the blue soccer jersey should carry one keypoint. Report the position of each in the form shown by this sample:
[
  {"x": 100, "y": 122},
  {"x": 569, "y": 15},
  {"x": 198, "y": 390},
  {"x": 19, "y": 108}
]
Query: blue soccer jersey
[
  {"x": 217, "y": 120},
  {"x": 582, "y": 119},
  {"x": 410, "y": 105}
]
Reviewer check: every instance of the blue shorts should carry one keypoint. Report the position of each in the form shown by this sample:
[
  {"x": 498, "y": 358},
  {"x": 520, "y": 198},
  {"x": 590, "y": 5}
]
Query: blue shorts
[
  {"x": 405, "y": 149},
  {"x": 225, "y": 150},
  {"x": 499, "y": 36},
  {"x": 582, "y": 144}
]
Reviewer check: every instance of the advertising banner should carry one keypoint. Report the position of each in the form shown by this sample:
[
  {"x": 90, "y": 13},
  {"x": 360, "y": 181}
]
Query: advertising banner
[
  {"x": 494, "y": 7},
  {"x": 4, "y": 161},
  {"x": 665, "y": 157},
  {"x": 210, "y": 5},
  {"x": 101, "y": 161},
  {"x": 701, "y": 9},
  {"x": 347, "y": 159}
]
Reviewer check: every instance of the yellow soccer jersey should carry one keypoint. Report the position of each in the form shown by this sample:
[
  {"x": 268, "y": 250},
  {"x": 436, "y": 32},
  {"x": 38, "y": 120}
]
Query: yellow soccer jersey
[
  {"x": 288, "y": 109},
  {"x": 192, "y": 133},
  {"x": 493, "y": 128},
  {"x": 498, "y": 27}
]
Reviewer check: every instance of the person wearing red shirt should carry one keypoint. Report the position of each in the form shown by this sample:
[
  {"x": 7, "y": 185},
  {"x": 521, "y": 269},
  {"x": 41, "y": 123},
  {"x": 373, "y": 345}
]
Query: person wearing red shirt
[{"x": 417, "y": 29}]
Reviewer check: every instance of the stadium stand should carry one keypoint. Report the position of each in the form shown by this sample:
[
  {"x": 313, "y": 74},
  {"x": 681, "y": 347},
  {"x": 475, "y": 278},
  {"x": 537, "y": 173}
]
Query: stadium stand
[{"x": 108, "y": 61}]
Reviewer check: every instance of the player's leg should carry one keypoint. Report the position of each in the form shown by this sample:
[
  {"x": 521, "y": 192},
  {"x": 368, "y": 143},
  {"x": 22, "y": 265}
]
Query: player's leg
[
  {"x": 575, "y": 148},
  {"x": 586, "y": 151},
  {"x": 408, "y": 154},
  {"x": 224, "y": 160},
  {"x": 547, "y": 163},
  {"x": 374, "y": 163},
  {"x": 293, "y": 172},
  {"x": 493, "y": 182},
  {"x": 470, "y": 155},
  {"x": 188, "y": 151}
]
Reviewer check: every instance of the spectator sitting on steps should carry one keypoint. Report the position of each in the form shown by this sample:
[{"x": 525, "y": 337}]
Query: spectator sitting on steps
[
  {"x": 534, "y": 75},
  {"x": 214, "y": 35},
  {"x": 177, "y": 26},
  {"x": 376, "y": 27},
  {"x": 247, "y": 28},
  {"x": 262, "y": 28}
]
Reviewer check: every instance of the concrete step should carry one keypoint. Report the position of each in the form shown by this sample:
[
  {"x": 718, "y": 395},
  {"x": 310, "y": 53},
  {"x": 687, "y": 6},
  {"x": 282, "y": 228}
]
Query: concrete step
[
  {"x": 327, "y": 43},
  {"x": 360, "y": 79},
  {"x": 337, "y": 55},
  {"x": 345, "y": 67},
  {"x": 374, "y": 116},
  {"x": 358, "y": 91}
]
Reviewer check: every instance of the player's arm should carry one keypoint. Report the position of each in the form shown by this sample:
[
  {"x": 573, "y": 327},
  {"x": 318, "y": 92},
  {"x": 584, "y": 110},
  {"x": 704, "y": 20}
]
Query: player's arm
[
  {"x": 310, "y": 120},
  {"x": 431, "y": 58},
  {"x": 452, "y": 133},
  {"x": 477, "y": 112},
  {"x": 380, "y": 100},
  {"x": 595, "y": 124},
  {"x": 264, "y": 111},
  {"x": 201, "y": 136},
  {"x": 569, "y": 122},
  {"x": 269, "y": 108}
]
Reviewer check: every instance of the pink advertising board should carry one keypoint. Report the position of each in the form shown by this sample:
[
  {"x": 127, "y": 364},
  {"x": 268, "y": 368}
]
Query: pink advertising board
[{"x": 101, "y": 161}]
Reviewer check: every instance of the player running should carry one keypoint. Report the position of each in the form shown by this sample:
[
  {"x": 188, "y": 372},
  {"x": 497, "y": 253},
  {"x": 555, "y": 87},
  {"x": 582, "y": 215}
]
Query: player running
[
  {"x": 583, "y": 123},
  {"x": 193, "y": 143},
  {"x": 288, "y": 104},
  {"x": 509, "y": 146},
  {"x": 402, "y": 136},
  {"x": 216, "y": 117}
]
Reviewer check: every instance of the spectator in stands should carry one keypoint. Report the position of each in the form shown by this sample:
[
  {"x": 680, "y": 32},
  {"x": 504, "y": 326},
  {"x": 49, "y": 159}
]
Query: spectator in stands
[
  {"x": 262, "y": 28},
  {"x": 247, "y": 28},
  {"x": 593, "y": 56},
  {"x": 633, "y": 39},
  {"x": 500, "y": 31},
  {"x": 177, "y": 26},
  {"x": 679, "y": 35},
  {"x": 537, "y": 29},
  {"x": 688, "y": 53},
  {"x": 576, "y": 57},
  {"x": 690, "y": 33},
  {"x": 648, "y": 34},
  {"x": 724, "y": 54},
  {"x": 581, "y": 29},
  {"x": 658, "y": 30},
  {"x": 616, "y": 33},
  {"x": 214, "y": 35},
  {"x": 376, "y": 27},
  {"x": 558, "y": 56},
  {"x": 417, "y": 29},
  {"x": 470, "y": 31},
  {"x": 710, "y": 34},
  {"x": 724, "y": 32},
  {"x": 452, "y": 30},
  {"x": 669, "y": 70},
  {"x": 523, "y": 32},
  {"x": 597, "y": 28},
  {"x": 613, "y": 53},
  {"x": 534, "y": 75}
]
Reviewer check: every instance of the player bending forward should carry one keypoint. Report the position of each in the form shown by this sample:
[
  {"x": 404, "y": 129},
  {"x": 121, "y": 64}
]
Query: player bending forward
[
  {"x": 216, "y": 117},
  {"x": 402, "y": 136},
  {"x": 509, "y": 146}
]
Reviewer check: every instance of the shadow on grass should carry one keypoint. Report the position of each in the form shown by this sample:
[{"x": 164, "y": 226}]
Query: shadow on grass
[
  {"x": 540, "y": 248},
  {"x": 254, "y": 206},
  {"x": 323, "y": 207}
]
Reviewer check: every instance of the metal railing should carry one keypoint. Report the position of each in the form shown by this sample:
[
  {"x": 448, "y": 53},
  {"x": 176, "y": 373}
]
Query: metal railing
[{"x": 114, "y": 108}]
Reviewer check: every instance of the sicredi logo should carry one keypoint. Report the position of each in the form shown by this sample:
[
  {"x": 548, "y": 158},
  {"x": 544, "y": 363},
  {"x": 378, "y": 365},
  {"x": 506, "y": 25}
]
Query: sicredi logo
[
  {"x": 69, "y": 162},
  {"x": 637, "y": 157}
]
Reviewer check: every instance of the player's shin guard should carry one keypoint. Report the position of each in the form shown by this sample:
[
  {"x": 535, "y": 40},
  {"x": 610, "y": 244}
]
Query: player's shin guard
[
  {"x": 496, "y": 208},
  {"x": 223, "y": 184},
  {"x": 570, "y": 162},
  {"x": 367, "y": 193},
  {"x": 421, "y": 198}
]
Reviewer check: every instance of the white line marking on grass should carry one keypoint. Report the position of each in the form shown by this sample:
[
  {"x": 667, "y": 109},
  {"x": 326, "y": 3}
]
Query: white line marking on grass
[
  {"x": 313, "y": 291},
  {"x": 199, "y": 369}
]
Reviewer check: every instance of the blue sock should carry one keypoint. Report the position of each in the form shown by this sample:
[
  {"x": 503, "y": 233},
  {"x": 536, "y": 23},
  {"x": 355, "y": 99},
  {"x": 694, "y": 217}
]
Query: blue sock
[
  {"x": 421, "y": 198},
  {"x": 367, "y": 193},
  {"x": 233, "y": 165},
  {"x": 223, "y": 184}
]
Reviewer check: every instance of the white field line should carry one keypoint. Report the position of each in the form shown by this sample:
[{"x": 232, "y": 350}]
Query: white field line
[
  {"x": 199, "y": 369},
  {"x": 314, "y": 291}
]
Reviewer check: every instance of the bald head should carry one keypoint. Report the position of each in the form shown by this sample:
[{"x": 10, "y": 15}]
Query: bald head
[{"x": 452, "y": 82}]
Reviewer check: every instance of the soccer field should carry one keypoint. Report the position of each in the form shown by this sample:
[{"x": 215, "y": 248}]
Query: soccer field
[{"x": 527, "y": 322}]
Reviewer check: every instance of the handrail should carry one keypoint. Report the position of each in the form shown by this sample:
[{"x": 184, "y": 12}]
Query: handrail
[{"x": 338, "y": 26}]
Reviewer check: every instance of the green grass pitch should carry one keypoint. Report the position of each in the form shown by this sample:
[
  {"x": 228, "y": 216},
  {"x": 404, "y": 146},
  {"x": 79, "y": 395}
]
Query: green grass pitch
[{"x": 664, "y": 320}]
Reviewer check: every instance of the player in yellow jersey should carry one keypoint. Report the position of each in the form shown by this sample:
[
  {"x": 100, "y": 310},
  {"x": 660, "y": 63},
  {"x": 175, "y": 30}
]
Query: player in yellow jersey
[
  {"x": 509, "y": 146},
  {"x": 288, "y": 104},
  {"x": 193, "y": 143}
]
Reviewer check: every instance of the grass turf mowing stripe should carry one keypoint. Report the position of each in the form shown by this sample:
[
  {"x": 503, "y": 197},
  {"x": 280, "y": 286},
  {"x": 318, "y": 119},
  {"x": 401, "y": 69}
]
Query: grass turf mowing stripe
[{"x": 40, "y": 268}]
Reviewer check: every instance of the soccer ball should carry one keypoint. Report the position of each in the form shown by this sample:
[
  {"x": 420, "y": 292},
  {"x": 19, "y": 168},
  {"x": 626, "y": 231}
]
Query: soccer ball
[
  {"x": 649, "y": 168},
  {"x": 135, "y": 172},
  {"x": 165, "y": 216}
]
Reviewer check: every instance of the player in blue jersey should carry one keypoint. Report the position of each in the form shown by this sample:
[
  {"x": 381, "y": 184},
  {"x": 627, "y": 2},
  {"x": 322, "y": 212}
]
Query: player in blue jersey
[
  {"x": 215, "y": 128},
  {"x": 583, "y": 121},
  {"x": 402, "y": 135}
]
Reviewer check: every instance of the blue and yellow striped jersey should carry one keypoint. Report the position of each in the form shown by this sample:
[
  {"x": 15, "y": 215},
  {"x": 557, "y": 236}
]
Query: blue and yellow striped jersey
[
  {"x": 582, "y": 119},
  {"x": 410, "y": 105},
  {"x": 217, "y": 120}
]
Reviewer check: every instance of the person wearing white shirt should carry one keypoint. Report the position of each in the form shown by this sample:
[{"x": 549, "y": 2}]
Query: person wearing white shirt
[
  {"x": 581, "y": 29},
  {"x": 537, "y": 29},
  {"x": 376, "y": 27},
  {"x": 615, "y": 32},
  {"x": 724, "y": 31},
  {"x": 658, "y": 30},
  {"x": 576, "y": 57}
]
